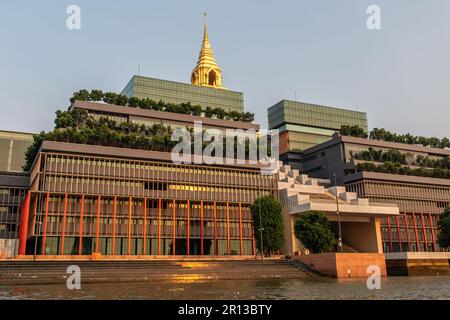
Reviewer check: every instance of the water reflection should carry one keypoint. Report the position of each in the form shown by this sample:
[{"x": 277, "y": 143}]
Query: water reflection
[{"x": 315, "y": 288}]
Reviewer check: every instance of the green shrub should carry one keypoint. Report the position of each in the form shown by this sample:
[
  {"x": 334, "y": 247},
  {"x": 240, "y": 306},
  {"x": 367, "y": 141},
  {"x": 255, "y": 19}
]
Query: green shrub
[
  {"x": 148, "y": 104},
  {"x": 313, "y": 229},
  {"x": 444, "y": 228},
  {"x": 270, "y": 210}
]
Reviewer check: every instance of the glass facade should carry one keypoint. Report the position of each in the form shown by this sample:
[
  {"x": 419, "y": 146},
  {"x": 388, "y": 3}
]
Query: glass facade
[
  {"x": 83, "y": 225},
  {"x": 299, "y": 141},
  {"x": 312, "y": 115},
  {"x": 307, "y": 125},
  {"x": 13, "y": 146},
  {"x": 176, "y": 92},
  {"x": 410, "y": 233},
  {"x": 10, "y": 200}
]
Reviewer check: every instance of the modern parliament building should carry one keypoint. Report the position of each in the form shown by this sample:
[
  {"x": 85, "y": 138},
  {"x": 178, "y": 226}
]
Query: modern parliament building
[
  {"x": 92, "y": 200},
  {"x": 97, "y": 200}
]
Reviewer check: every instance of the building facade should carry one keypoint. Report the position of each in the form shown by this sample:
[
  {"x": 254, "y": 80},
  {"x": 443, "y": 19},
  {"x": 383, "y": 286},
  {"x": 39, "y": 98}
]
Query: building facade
[
  {"x": 420, "y": 199},
  {"x": 90, "y": 199},
  {"x": 359, "y": 220},
  {"x": 104, "y": 200},
  {"x": 112, "y": 201},
  {"x": 13, "y": 187},
  {"x": 302, "y": 125}
]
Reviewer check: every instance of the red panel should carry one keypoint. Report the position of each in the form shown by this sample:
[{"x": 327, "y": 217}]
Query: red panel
[
  {"x": 44, "y": 239},
  {"x": 215, "y": 229},
  {"x": 130, "y": 204},
  {"x": 159, "y": 226},
  {"x": 144, "y": 231},
  {"x": 23, "y": 226},
  {"x": 407, "y": 231},
  {"x": 188, "y": 231},
  {"x": 201, "y": 229},
  {"x": 398, "y": 234},
  {"x": 64, "y": 225},
  {"x": 415, "y": 231},
  {"x": 174, "y": 229},
  {"x": 228, "y": 230},
  {"x": 80, "y": 241},
  {"x": 432, "y": 232},
  {"x": 35, "y": 208},
  {"x": 424, "y": 231},
  {"x": 97, "y": 229},
  {"x": 390, "y": 235},
  {"x": 240, "y": 230},
  {"x": 114, "y": 226}
]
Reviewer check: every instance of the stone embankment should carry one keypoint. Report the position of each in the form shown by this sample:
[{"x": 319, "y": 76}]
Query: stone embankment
[{"x": 15, "y": 272}]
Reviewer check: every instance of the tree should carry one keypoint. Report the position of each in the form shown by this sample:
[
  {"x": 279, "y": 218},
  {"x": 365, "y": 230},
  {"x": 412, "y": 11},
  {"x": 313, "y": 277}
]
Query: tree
[
  {"x": 313, "y": 229},
  {"x": 70, "y": 119},
  {"x": 96, "y": 95},
  {"x": 78, "y": 126},
  {"x": 444, "y": 226},
  {"x": 270, "y": 211},
  {"x": 354, "y": 131},
  {"x": 149, "y": 104},
  {"x": 382, "y": 134}
]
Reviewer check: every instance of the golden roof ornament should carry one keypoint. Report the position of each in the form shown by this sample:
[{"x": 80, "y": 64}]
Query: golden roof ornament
[{"x": 207, "y": 72}]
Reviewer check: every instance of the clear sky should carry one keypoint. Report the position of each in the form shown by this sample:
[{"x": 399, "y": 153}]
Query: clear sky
[{"x": 317, "y": 51}]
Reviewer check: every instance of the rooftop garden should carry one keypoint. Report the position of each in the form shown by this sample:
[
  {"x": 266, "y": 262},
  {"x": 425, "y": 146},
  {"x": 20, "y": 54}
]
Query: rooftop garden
[
  {"x": 393, "y": 161},
  {"x": 397, "y": 168},
  {"x": 384, "y": 135},
  {"x": 148, "y": 104},
  {"x": 77, "y": 126}
]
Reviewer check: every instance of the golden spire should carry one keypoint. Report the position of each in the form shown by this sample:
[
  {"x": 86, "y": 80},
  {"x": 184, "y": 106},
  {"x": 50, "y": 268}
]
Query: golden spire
[
  {"x": 205, "y": 31},
  {"x": 207, "y": 73}
]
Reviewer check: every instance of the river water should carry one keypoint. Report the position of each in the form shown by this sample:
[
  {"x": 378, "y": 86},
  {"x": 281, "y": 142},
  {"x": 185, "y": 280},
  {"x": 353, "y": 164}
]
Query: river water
[{"x": 303, "y": 289}]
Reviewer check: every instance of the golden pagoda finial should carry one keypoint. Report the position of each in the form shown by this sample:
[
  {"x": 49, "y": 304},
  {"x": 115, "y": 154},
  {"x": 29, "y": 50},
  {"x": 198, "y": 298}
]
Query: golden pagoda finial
[
  {"x": 205, "y": 31},
  {"x": 207, "y": 73}
]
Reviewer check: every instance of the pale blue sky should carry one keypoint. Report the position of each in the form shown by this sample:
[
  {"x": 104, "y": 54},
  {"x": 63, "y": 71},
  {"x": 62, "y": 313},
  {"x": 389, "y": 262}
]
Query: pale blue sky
[{"x": 321, "y": 50}]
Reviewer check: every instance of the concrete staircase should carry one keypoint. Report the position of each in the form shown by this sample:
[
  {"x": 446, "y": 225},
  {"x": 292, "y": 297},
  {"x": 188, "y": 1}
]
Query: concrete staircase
[
  {"x": 297, "y": 189},
  {"x": 54, "y": 272}
]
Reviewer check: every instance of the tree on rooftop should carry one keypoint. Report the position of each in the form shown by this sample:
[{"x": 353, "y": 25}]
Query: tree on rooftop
[
  {"x": 384, "y": 135},
  {"x": 354, "y": 131},
  {"x": 148, "y": 104}
]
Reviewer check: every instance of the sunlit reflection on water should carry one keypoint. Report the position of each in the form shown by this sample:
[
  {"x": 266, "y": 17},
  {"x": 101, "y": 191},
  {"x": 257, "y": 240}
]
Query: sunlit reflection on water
[
  {"x": 195, "y": 264},
  {"x": 189, "y": 278},
  {"x": 189, "y": 287}
]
